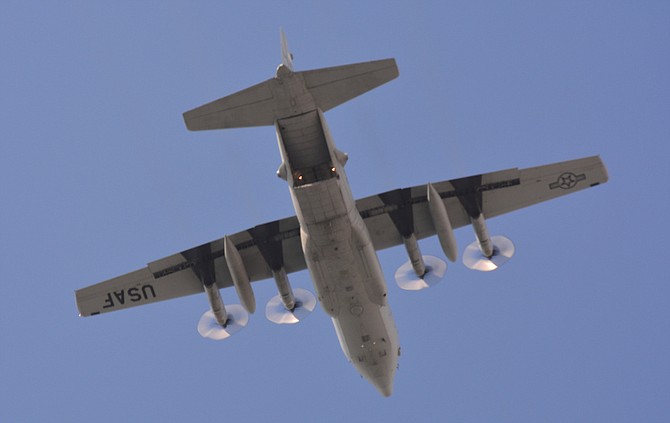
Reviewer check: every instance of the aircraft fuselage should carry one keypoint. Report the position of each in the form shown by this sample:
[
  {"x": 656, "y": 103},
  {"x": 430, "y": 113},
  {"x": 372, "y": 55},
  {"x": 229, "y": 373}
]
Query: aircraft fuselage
[{"x": 338, "y": 250}]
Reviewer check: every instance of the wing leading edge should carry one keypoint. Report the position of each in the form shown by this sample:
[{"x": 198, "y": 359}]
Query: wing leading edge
[{"x": 389, "y": 216}]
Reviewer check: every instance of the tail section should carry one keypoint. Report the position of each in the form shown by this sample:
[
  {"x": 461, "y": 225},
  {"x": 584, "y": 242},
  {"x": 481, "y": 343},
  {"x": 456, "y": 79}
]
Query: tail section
[
  {"x": 286, "y": 56},
  {"x": 291, "y": 93},
  {"x": 331, "y": 87}
]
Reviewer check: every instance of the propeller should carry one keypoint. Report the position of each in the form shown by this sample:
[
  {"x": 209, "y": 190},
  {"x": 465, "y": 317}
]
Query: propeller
[
  {"x": 277, "y": 313},
  {"x": 503, "y": 250},
  {"x": 407, "y": 279},
  {"x": 208, "y": 327}
]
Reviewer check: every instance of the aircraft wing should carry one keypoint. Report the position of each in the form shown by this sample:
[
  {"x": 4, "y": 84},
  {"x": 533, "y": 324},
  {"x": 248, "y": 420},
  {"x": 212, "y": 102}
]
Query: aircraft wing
[
  {"x": 262, "y": 248},
  {"x": 392, "y": 214},
  {"x": 388, "y": 216}
]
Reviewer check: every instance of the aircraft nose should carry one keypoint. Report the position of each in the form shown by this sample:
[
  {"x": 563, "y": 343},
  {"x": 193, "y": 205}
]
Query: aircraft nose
[
  {"x": 380, "y": 373},
  {"x": 381, "y": 377},
  {"x": 384, "y": 384}
]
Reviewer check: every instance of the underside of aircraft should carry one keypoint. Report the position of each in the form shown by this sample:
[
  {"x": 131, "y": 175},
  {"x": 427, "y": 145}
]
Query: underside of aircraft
[{"x": 332, "y": 235}]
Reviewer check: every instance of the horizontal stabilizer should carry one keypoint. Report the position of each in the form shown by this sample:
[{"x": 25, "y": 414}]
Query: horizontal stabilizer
[
  {"x": 253, "y": 106},
  {"x": 264, "y": 103},
  {"x": 331, "y": 87}
]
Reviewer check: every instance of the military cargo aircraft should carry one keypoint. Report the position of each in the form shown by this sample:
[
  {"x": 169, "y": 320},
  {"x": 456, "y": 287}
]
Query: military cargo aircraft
[{"x": 332, "y": 235}]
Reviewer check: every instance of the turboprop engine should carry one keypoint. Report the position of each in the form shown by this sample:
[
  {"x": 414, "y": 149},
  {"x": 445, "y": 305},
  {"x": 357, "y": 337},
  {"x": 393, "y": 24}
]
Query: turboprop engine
[
  {"x": 422, "y": 272},
  {"x": 487, "y": 252},
  {"x": 290, "y": 305},
  {"x": 221, "y": 321},
  {"x": 419, "y": 272}
]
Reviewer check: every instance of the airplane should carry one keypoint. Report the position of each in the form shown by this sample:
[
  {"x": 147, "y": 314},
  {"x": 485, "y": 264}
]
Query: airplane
[{"x": 331, "y": 234}]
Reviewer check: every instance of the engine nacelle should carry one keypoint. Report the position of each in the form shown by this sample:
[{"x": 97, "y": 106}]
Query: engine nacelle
[
  {"x": 414, "y": 253},
  {"x": 216, "y": 304},
  {"x": 487, "y": 253},
  {"x": 420, "y": 272},
  {"x": 483, "y": 237},
  {"x": 220, "y": 322},
  {"x": 288, "y": 307},
  {"x": 284, "y": 288}
]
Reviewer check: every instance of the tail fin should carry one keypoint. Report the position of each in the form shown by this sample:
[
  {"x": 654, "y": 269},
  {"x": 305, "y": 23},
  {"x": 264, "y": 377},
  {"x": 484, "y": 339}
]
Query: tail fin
[
  {"x": 286, "y": 55},
  {"x": 264, "y": 103}
]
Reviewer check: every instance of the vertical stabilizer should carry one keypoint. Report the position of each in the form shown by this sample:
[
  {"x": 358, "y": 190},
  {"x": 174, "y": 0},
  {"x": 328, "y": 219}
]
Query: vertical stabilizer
[{"x": 286, "y": 55}]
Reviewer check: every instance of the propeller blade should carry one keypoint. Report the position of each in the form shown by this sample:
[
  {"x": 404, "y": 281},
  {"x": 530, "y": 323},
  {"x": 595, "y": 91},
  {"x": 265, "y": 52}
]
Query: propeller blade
[
  {"x": 503, "y": 250},
  {"x": 304, "y": 305},
  {"x": 208, "y": 327},
  {"x": 408, "y": 280}
]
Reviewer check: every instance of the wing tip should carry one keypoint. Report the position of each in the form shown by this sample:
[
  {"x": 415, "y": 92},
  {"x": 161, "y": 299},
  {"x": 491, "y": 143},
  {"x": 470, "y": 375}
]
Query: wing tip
[
  {"x": 606, "y": 174},
  {"x": 187, "y": 121},
  {"x": 603, "y": 170}
]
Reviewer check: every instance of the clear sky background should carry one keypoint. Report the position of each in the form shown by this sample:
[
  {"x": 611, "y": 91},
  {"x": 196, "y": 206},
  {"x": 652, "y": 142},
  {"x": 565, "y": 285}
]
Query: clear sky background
[{"x": 99, "y": 176}]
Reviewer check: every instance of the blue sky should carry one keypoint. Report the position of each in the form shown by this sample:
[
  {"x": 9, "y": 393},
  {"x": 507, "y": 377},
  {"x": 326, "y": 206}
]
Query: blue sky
[{"x": 99, "y": 177}]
